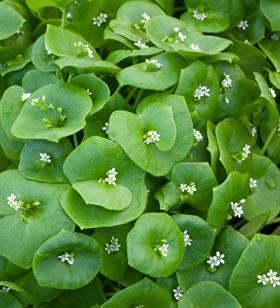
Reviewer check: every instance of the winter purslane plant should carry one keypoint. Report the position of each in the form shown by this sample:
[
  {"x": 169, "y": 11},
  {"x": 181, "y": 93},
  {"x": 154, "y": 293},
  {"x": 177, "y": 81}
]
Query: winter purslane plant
[{"x": 139, "y": 153}]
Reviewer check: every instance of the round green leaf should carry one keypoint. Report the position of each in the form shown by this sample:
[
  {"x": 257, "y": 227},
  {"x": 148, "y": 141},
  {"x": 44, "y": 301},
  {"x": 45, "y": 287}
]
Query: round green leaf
[
  {"x": 27, "y": 230},
  {"x": 31, "y": 124},
  {"x": 151, "y": 233},
  {"x": 34, "y": 167},
  {"x": 51, "y": 271},
  {"x": 261, "y": 255},
  {"x": 207, "y": 294}
]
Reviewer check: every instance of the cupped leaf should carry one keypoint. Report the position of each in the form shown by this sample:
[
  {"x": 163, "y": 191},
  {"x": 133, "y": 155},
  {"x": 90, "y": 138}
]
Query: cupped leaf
[
  {"x": 29, "y": 218},
  {"x": 166, "y": 76},
  {"x": 42, "y": 160},
  {"x": 199, "y": 239},
  {"x": 148, "y": 156},
  {"x": 10, "y": 20},
  {"x": 60, "y": 112},
  {"x": 155, "y": 245},
  {"x": 261, "y": 256},
  {"x": 53, "y": 267},
  {"x": 195, "y": 78},
  {"x": 97, "y": 89},
  {"x": 207, "y": 294},
  {"x": 103, "y": 155},
  {"x": 270, "y": 9},
  {"x": 115, "y": 198},
  {"x": 145, "y": 293}
]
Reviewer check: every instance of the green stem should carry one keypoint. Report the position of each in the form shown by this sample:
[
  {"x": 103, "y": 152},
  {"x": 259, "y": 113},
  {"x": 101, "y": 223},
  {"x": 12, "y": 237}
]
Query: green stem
[
  {"x": 118, "y": 89},
  {"x": 268, "y": 140},
  {"x": 274, "y": 221},
  {"x": 130, "y": 95},
  {"x": 75, "y": 139},
  {"x": 138, "y": 97},
  {"x": 63, "y": 18}
]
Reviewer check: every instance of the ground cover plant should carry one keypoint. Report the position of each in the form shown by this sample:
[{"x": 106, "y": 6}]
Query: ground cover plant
[{"x": 139, "y": 153}]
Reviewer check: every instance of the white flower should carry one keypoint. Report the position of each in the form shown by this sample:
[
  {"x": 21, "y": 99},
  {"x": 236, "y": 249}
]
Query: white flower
[
  {"x": 111, "y": 177},
  {"x": 243, "y": 25},
  {"x": 44, "y": 157},
  {"x": 201, "y": 91},
  {"x": 263, "y": 279},
  {"x": 237, "y": 208},
  {"x": 187, "y": 239},
  {"x": 163, "y": 249},
  {"x": 195, "y": 47},
  {"x": 273, "y": 279},
  {"x": 113, "y": 246},
  {"x": 274, "y": 37},
  {"x": 227, "y": 81},
  {"x": 154, "y": 63},
  {"x": 89, "y": 92},
  {"x": 140, "y": 45},
  {"x": 146, "y": 18},
  {"x": 99, "y": 19},
  {"x": 151, "y": 136},
  {"x": 216, "y": 260},
  {"x": 13, "y": 202},
  {"x": 5, "y": 289},
  {"x": 254, "y": 131},
  {"x": 253, "y": 183},
  {"x": 199, "y": 16},
  {"x": 190, "y": 189},
  {"x": 178, "y": 293},
  {"x": 197, "y": 135},
  {"x": 85, "y": 50},
  {"x": 69, "y": 16},
  {"x": 272, "y": 91},
  {"x": 66, "y": 257},
  {"x": 246, "y": 150},
  {"x": 176, "y": 29},
  {"x": 181, "y": 36},
  {"x": 25, "y": 96},
  {"x": 106, "y": 128}
]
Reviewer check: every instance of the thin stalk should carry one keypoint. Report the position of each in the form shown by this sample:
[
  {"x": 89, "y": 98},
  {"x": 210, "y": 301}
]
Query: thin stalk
[
  {"x": 75, "y": 139},
  {"x": 268, "y": 140},
  {"x": 138, "y": 97},
  {"x": 130, "y": 95},
  {"x": 63, "y": 17}
]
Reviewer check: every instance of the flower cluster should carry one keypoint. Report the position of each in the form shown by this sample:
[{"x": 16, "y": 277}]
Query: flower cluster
[
  {"x": 199, "y": 16},
  {"x": 142, "y": 24},
  {"x": 45, "y": 158},
  {"x": 151, "y": 136},
  {"x": 5, "y": 289},
  {"x": 197, "y": 135},
  {"x": 140, "y": 44},
  {"x": 253, "y": 183},
  {"x": 242, "y": 155},
  {"x": 227, "y": 81},
  {"x": 113, "y": 246},
  {"x": 100, "y": 19},
  {"x": 153, "y": 65},
  {"x": 83, "y": 50},
  {"x": 201, "y": 92},
  {"x": 67, "y": 257},
  {"x": 195, "y": 47},
  {"x": 237, "y": 208},
  {"x": 180, "y": 36},
  {"x": 270, "y": 278},
  {"x": 178, "y": 293},
  {"x": 187, "y": 238},
  {"x": 105, "y": 128},
  {"x": 163, "y": 249},
  {"x": 190, "y": 189},
  {"x": 216, "y": 260},
  {"x": 243, "y": 25},
  {"x": 111, "y": 177}
]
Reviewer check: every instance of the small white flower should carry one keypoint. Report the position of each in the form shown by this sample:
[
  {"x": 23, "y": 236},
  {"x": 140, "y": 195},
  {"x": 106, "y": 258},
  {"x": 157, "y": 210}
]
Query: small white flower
[
  {"x": 272, "y": 91},
  {"x": 113, "y": 246},
  {"x": 181, "y": 36},
  {"x": 273, "y": 279},
  {"x": 187, "y": 238},
  {"x": 155, "y": 63},
  {"x": 254, "y": 131},
  {"x": 178, "y": 293},
  {"x": 195, "y": 47},
  {"x": 146, "y": 18},
  {"x": 85, "y": 50},
  {"x": 237, "y": 208},
  {"x": 227, "y": 81},
  {"x": 263, "y": 279},
  {"x": 253, "y": 183},
  {"x": 163, "y": 249},
  {"x": 151, "y": 136},
  {"x": 201, "y": 92},
  {"x": 199, "y": 16},
  {"x": 13, "y": 202},
  {"x": 100, "y": 19},
  {"x": 106, "y": 128},
  {"x": 246, "y": 150},
  {"x": 190, "y": 189},
  {"x": 275, "y": 37},
  {"x": 66, "y": 257},
  {"x": 25, "y": 96},
  {"x": 243, "y": 25},
  {"x": 89, "y": 92},
  {"x": 197, "y": 135},
  {"x": 5, "y": 289},
  {"x": 176, "y": 29},
  {"x": 69, "y": 16},
  {"x": 44, "y": 157},
  {"x": 140, "y": 44},
  {"x": 111, "y": 178},
  {"x": 216, "y": 260}
]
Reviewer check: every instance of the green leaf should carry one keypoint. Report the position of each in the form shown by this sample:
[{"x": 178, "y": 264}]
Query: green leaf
[
  {"x": 137, "y": 75},
  {"x": 8, "y": 300},
  {"x": 114, "y": 198},
  {"x": 33, "y": 167},
  {"x": 270, "y": 9},
  {"x": 145, "y": 241},
  {"x": 144, "y": 292},
  {"x": 272, "y": 50},
  {"x": 52, "y": 271},
  {"x": 207, "y": 294},
  {"x": 31, "y": 124},
  {"x": 212, "y": 147},
  {"x": 261, "y": 255},
  {"x": 202, "y": 239},
  {"x": 37, "y": 5},
  {"x": 27, "y": 230},
  {"x": 10, "y": 21}
]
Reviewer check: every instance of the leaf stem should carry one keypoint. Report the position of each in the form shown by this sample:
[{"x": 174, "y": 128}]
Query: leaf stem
[
  {"x": 268, "y": 140},
  {"x": 130, "y": 95},
  {"x": 75, "y": 139},
  {"x": 63, "y": 17}
]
